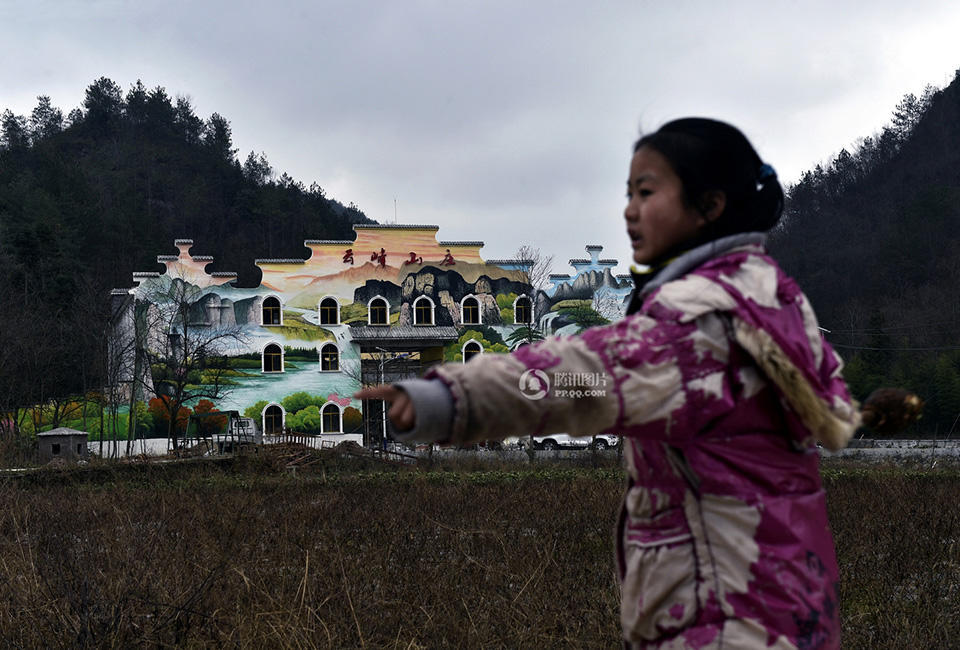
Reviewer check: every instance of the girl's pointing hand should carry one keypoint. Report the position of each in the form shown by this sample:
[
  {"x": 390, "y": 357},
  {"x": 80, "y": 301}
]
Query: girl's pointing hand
[{"x": 401, "y": 411}]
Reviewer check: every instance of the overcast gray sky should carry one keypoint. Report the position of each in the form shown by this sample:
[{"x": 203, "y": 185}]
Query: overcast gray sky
[{"x": 509, "y": 122}]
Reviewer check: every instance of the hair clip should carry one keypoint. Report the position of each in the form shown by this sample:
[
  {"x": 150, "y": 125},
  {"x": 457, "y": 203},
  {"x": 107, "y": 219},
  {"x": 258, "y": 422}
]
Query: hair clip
[{"x": 766, "y": 171}]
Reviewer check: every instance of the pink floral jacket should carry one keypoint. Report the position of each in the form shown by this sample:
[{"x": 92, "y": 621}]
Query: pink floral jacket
[{"x": 722, "y": 386}]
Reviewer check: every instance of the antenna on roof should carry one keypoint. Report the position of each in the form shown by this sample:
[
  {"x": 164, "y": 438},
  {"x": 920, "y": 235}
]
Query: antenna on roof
[{"x": 394, "y": 210}]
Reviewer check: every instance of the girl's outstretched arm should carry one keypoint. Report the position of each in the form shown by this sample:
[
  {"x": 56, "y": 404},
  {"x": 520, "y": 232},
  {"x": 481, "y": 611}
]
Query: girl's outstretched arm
[{"x": 569, "y": 384}]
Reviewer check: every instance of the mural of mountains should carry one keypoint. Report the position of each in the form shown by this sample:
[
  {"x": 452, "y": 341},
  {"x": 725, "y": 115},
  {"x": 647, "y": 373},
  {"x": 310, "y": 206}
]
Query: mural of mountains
[
  {"x": 339, "y": 284},
  {"x": 587, "y": 283},
  {"x": 343, "y": 283}
]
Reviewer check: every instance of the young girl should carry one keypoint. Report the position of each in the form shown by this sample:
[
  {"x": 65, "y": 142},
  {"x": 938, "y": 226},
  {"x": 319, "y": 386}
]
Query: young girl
[{"x": 721, "y": 385}]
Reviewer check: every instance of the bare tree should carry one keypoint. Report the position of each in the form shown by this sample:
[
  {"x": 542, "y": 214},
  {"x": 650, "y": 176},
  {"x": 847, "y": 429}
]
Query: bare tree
[
  {"x": 608, "y": 304},
  {"x": 186, "y": 351},
  {"x": 537, "y": 273},
  {"x": 127, "y": 375}
]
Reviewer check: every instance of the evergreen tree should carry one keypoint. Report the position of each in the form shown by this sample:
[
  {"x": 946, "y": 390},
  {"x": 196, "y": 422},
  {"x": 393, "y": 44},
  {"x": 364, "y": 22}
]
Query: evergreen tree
[
  {"x": 46, "y": 120},
  {"x": 104, "y": 105},
  {"x": 256, "y": 168},
  {"x": 190, "y": 126},
  {"x": 136, "y": 103},
  {"x": 15, "y": 134},
  {"x": 218, "y": 138}
]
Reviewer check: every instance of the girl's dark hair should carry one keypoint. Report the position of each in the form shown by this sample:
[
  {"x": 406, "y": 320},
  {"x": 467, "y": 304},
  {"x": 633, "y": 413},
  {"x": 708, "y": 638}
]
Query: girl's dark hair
[{"x": 711, "y": 155}]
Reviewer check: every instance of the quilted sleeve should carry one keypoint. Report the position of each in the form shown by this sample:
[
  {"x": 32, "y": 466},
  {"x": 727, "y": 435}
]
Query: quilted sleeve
[{"x": 608, "y": 378}]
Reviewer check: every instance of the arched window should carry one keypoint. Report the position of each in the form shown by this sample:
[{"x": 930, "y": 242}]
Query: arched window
[
  {"x": 329, "y": 311},
  {"x": 329, "y": 358},
  {"x": 330, "y": 421},
  {"x": 470, "y": 311},
  {"x": 423, "y": 311},
  {"x": 272, "y": 358},
  {"x": 471, "y": 349},
  {"x": 522, "y": 311},
  {"x": 378, "y": 313},
  {"x": 272, "y": 314},
  {"x": 273, "y": 420}
]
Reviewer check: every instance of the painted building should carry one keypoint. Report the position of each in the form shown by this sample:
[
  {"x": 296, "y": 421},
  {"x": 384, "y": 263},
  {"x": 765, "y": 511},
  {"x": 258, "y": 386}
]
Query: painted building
[{"x": 380, "y": 307}]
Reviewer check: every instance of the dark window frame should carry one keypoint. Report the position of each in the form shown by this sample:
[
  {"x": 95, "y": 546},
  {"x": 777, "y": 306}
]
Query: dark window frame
[
  {"x": 272, "y": 314},
  {"x": 328, "y": 413},
  {"x": 376, "y": 308},
  {"x": 472, "y": 306},
  {"x": 330, "y": 361},
  {"x": 418, "y": 309},
  {"x": 329, "y": 315},
  {"x": 275, "y": 363}
]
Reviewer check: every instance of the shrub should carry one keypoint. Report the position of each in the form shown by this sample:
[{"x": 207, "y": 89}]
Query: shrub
[
  {"x": 505, "y": 301},
  {"x": 352, "y": 420},
  {"x": 255, "y": 411},
  {"x": 301, "y": 400}
]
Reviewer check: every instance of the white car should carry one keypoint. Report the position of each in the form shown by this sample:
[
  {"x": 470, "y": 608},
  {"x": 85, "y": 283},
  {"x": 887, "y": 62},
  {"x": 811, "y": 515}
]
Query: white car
[{"x": 564, "y": 441}]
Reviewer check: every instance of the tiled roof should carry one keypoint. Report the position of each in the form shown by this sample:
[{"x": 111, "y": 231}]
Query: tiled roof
[
  {"x": 460, "y": 243},
  {"x": 313, "y": 242},
  {"x": 224, "y": 274},
  {"x": 62, "y": 431},
  {"x": 167, "y": 258},
  {"x": 278, "y": 261},
  {"x": 404, "y": 332},
  {"x": 526, "y": 262},
  {"x": 177, "y": 242},
  {"x": 202, "y": 258},
  {"x": 396, "y": 226}
]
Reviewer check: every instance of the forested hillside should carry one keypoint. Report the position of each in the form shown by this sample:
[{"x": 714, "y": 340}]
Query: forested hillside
[
  {"x": 873, "y": 239},
  {"x": 109, "y": 187},
  {"x": 88, "y": 198}
]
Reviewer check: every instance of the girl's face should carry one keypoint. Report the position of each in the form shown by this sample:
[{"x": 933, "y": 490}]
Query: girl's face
[{"x": 658, "y": 218}]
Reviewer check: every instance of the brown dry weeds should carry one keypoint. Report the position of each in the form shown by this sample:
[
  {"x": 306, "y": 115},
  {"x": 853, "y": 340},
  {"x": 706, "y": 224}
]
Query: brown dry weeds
[{"x": 245, "y": 554}]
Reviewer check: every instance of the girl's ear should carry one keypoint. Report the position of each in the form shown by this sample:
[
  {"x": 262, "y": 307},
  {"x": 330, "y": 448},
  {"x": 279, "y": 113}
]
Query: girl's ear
[{"x": 713, "y": 204}]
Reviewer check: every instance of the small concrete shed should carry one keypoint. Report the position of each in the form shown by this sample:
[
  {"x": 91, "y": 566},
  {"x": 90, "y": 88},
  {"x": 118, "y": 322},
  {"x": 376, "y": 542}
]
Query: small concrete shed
[{"x": 68, "y": 444}]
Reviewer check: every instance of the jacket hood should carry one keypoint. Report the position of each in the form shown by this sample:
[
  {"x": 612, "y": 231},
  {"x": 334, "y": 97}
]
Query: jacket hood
[{"x": 772, "y": 321}]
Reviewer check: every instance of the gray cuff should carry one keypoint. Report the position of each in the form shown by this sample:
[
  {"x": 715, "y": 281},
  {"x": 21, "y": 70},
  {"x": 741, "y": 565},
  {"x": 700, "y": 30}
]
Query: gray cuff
[{"x": 433, "y": 405}]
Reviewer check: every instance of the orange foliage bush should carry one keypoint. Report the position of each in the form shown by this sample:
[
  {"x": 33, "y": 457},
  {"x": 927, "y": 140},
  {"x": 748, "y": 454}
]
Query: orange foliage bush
[
  {"x": 159, "y": 409},
  {"x": 209, "y": 425}
]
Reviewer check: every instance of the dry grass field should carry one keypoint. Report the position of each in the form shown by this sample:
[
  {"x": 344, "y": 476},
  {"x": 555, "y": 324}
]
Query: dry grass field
[{"x": 248, "y": 553}]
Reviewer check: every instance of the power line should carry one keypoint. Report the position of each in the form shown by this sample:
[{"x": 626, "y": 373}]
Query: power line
[
  {"x": 882, "y": 330},
  {"x": 863, "y": 347}
]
